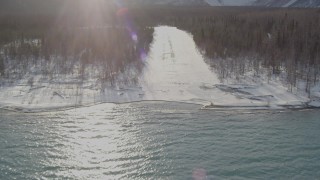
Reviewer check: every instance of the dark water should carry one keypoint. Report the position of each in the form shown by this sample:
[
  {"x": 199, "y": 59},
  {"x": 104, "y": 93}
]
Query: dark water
[{"x": 159, "y": 141}]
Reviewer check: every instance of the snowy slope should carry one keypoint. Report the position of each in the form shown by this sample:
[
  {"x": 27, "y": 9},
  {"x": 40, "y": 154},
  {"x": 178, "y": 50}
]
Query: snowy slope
[
  {"x": 265, "y": 3},
  {"x": 290, "y": 3},
  {"x": 173, "y": 2},
  {"x": 50, "y": 5},
  {"x": 306, "y": 3},
  {"x": 230, "y": 2}
]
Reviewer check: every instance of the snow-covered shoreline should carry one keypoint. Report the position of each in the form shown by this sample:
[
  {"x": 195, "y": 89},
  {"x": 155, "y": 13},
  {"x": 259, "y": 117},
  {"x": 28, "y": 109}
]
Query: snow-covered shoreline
[{"x": 175, "y": 71}]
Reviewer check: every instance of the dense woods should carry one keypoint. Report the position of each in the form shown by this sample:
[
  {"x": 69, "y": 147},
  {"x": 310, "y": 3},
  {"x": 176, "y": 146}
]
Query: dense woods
[
  {"x": 235, "y": 41},
  {"x": 283, "y": 42},
  {"x": 78, "y": 42}
]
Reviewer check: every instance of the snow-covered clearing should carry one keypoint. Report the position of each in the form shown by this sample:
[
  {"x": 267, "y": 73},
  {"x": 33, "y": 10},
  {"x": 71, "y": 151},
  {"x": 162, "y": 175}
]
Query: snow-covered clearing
[{"x": 174, "y": 71}]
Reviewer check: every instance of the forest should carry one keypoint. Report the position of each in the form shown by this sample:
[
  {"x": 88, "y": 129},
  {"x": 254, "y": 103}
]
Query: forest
[
  {"x": 274, "y": 41},
  {"x": 234, "y": 40},
  {"x": 80, "y": 40}
]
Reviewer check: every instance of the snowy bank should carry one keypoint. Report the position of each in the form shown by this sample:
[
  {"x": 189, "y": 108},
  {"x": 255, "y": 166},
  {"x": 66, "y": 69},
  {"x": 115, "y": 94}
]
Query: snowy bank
[{"x": 175, "y": 71}]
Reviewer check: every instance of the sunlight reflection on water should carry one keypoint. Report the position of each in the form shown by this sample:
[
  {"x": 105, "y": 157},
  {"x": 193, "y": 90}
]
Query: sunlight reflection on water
[{"x": 159, "y": 141}]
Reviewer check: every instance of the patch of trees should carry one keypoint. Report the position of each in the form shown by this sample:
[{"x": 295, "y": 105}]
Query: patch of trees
[
  {"x": 238, "y": 40},
  {"x": 76, "y": 41}
]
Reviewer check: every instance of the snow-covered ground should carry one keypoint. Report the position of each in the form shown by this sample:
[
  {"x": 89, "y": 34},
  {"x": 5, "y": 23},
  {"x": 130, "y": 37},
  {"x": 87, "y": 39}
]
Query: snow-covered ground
[
  {"x": 230, "y": 2},
  {"x": 174, "y": 71}
]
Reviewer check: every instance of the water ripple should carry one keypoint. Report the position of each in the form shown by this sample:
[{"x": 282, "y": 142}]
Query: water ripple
[{"x": 152, "y": 141}]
